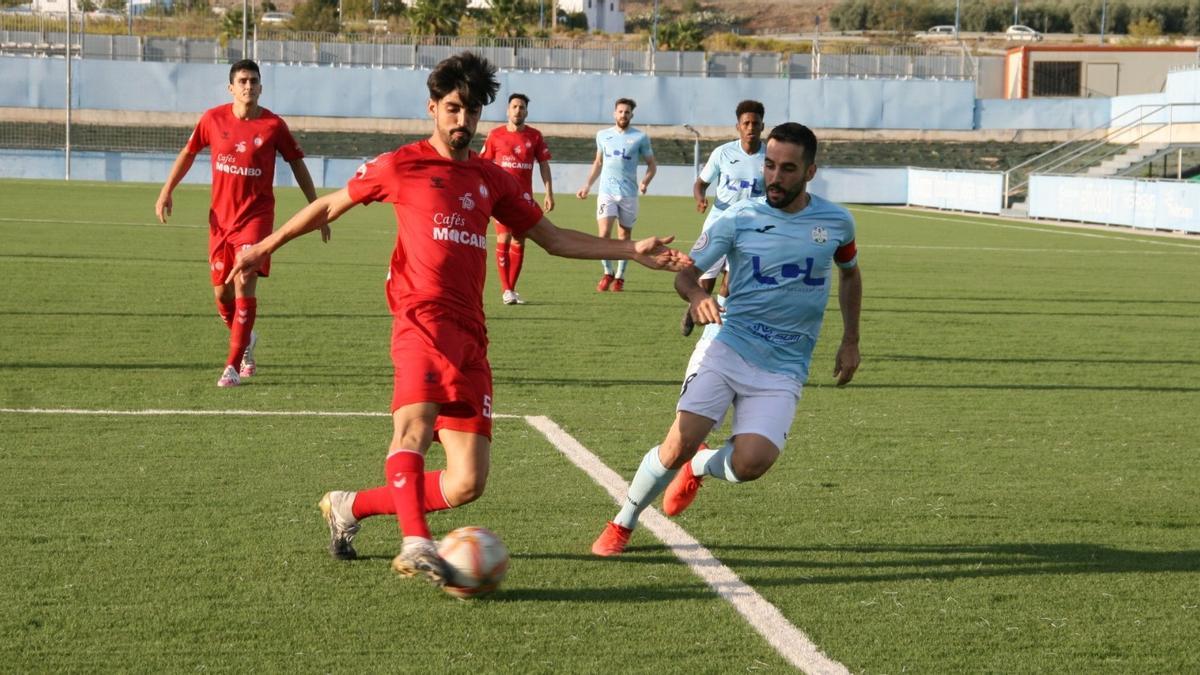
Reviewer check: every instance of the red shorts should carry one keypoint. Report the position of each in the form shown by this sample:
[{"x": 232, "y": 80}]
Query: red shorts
[
  {"x": 440, "y": 358},
  {"x": 501, "y": 228},
  {"x": 223, "y": 248}
]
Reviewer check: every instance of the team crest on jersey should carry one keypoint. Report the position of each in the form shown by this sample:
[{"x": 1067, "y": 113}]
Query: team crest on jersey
[
  {"x": 518, "y": 150},
  {"x": 820, "y": 235},
  {"x": 467, "y": 202},
  {"x": 701, "y": 243},
  {"x": 483, "y": 191},
  {"x": 258, "y": 141},
  {"x": 240, "y": 147}
]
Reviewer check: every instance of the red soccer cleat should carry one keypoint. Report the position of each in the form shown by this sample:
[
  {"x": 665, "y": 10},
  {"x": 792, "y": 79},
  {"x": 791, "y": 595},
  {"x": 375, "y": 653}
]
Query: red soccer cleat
[
  {"x": 681, "y": 491},
  {"x": 618, "y": 285},
  {"x": 612, "y": 540},
  {"x": 605, "y": 282}
]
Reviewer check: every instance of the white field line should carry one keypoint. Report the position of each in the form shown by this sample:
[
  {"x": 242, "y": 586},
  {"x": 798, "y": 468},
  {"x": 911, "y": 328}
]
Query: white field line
[
  {"x": 764, "y": 617},
  {"x": 1065, "y": 229},
  {"x": 50, "y": 221},
  {"x": 1007, "y": 249}
]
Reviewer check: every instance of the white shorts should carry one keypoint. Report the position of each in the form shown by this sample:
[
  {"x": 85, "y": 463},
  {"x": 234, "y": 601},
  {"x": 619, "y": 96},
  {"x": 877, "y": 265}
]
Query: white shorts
[
  {"x": 716, "y": 269},
  {"x": 764, "y": 403},
  {"x": 624, "y": 209}
]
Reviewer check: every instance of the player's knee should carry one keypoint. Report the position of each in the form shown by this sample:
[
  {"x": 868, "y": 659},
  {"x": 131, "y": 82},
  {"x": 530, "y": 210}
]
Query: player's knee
[
  {"x": 751, "y": 463},
  {"x": 461, "y": 490}
]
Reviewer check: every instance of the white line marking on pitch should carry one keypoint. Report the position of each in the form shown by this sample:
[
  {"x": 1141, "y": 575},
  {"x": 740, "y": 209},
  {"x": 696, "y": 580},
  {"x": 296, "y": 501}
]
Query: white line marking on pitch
[{"x": 764, "y": 617}]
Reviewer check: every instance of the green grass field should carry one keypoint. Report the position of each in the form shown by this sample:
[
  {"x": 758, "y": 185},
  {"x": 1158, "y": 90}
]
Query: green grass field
[{"x": 1010, "y": 484}]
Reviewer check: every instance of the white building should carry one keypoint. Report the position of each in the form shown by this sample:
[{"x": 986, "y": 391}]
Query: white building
[{"x": 602, "y": 15}]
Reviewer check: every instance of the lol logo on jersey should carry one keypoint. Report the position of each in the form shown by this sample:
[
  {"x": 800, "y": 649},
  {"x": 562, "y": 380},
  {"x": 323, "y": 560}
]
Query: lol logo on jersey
[{"x": 787, "y": 271}]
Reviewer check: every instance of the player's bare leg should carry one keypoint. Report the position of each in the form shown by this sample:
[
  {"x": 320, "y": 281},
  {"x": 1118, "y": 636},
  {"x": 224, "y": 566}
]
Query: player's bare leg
[
  {"x": 468, "y": 460},
  {"x": 604, "y": 227},
  {"x": 657, "y": 469},
  {"x": 413, "y": 427}
]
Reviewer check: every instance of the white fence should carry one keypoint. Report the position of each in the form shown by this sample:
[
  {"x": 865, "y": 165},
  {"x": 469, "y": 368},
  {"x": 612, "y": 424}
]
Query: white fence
[
  {"x": 977, "y": 191},
  {"x": 1147, "y": 204}
]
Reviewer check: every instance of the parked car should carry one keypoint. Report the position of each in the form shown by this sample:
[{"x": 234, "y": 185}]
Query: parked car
[
  {"x": 276, "y": 18},
  {"x": 105, "y": 15},
  {"x": 1022, "y": 33},
  {"x": 940, "y": 30}
]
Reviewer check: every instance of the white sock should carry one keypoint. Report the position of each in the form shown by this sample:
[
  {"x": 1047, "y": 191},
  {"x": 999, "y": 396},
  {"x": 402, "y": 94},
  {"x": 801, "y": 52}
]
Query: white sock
[
  {"x": 607, "y": 266},
  {"x": 650, "y": 480},
  {"x": 716, "y": 463},
  {"x": 621, "y": 268}
]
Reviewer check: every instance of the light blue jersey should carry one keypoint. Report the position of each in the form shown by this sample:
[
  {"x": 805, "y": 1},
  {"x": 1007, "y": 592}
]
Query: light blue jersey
[
  {"x": 621, "y": 152},
  {"x": 780, "y": 266},
  {"x": 736, "y": 175}
]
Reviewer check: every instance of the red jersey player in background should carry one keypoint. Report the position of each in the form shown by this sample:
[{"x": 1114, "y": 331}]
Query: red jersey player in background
[
  {"x": 442, "y": 194},
  {"x": 244, "y": 138},
  {"x": 515, "y": 146}
]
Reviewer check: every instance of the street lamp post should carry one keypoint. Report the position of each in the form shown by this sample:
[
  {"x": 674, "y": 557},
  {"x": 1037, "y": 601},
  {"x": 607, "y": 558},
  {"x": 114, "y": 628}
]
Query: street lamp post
[
  {"x": 957, "y": 17},
  {"x": 695, "y": 149},
  {"x": 245, "y": 25},
  {"x": 1016, "y": 12},
  {"x": 1103, "y": 19}
]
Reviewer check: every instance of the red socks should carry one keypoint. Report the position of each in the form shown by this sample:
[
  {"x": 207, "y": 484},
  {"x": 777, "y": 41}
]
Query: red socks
[
  {"x": 239, "y": 335},
  {"x": 226, "y": 309},
  {"x": 502, "y": 266},
  {"x": 378, "y": 501},
  {"x": 406, "y": 481},
  {"x": 516, "y": 256}
]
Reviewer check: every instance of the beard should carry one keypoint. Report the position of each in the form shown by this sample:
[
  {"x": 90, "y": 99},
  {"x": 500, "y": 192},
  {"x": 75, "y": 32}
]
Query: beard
[
  {"x": 788, "y": 195},
  {"x": 459, "y": 138}
]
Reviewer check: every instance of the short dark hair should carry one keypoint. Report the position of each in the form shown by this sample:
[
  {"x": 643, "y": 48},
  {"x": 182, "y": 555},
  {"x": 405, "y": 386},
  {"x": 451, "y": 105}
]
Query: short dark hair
[
  {"x": 627, "y": 101},
  {"x": 749, "y": 106},
  {"x": 523, "y": 97},
  {"x": 471, "y": 75},
  {"x": 244, "y": 64},
  {"x": 797, "y": 134}
]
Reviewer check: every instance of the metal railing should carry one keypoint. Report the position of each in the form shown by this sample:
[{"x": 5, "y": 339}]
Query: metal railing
[{"x": 42, "y": 36}]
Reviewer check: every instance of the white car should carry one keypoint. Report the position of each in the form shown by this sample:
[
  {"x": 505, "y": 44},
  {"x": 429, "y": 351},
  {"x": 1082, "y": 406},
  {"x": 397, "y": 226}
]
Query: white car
[
  {"x": 940, "y": 30},
  {"x": 106, "y": 15},
  {"x": 276, "y": 17},
  {"x": 1022, "y": 33}
]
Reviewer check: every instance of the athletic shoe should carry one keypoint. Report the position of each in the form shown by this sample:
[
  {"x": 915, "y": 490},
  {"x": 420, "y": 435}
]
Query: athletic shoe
[
  {"x": 618, "y": 285},
  {"x": 509, "y": 297},
  {"x": 612, "y": 540},
  {"x": 336, "y": 506},
  {"x": 605, "y": 282},
  {"x": 517, "y": 300},
  {"x": 249, "y": 368},
  {"x": 687, "y": 323},
  {"x": 681, "y": 491},
  {"x": 420, "y": 556},
  {"x": 229, "y": 377}
]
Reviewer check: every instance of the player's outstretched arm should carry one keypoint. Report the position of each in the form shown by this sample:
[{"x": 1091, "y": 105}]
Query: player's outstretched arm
[
  {"x": 547, "y": 180},
  {"x": 850, "y": 302},
  {"x": 702, "y": 306},
  {"x": 162, "y": 207},
  {"x": 651, "y": 169},
  {"x": 651, "y": 252},
  {"x": 316, "y": 215},
  {"x": 699, "y": 188},
  {"x": 305, "y": 182}
]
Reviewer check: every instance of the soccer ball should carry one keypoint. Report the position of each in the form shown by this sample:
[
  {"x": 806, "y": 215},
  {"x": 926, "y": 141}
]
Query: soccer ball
[{"x": 478, "y": 561}]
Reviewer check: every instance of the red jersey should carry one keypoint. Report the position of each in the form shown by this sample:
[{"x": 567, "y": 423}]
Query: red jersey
[
  {"x": 442, "y": 209},
  {"x": 516, "y": 151},
  {"x": 243, "y": 164}
]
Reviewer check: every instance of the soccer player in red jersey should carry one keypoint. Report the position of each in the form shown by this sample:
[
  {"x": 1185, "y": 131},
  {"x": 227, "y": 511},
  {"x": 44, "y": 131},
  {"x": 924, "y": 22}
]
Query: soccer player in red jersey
[
  {"x": 443, "y": 195},
  {"x": 515, "y": 146},
  {"x": 244, "y": 138}
]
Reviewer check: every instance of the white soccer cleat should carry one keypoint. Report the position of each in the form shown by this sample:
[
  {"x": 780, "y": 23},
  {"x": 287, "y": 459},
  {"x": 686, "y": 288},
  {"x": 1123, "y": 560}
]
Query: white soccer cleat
[
  {"x": 249, "y": 368},
  {"x": 337, "y": 507},
  {"x": 509, "y": 297},
  {"x": 229, "y": 377},
  {"x": 420, "y": 556},
  {"x": 517, "y": 299}
]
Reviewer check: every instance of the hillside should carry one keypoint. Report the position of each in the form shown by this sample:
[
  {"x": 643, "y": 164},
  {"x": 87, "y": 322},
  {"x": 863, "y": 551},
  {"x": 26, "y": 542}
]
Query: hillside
[{"x": 762, "y": 17}]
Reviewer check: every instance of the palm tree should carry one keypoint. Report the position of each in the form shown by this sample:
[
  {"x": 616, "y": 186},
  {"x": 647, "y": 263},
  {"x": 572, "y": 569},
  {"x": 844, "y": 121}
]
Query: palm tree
[
  {"x": 508, "y": 18},
  {"x": 436, "y": 17}
]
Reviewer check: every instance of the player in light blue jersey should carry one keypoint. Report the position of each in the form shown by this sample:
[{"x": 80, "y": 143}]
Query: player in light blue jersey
[
  {"x": 618, "y": 150},
  {"x": 782, "y": 253},
  {"x": 737, "y": 169}
]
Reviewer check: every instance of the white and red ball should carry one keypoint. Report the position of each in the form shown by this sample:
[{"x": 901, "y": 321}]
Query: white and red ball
[{"x": 478, "y": 561}]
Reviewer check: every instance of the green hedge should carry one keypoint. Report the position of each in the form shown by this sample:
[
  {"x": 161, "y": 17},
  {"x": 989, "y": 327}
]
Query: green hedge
[{"x": 1174, "y": 17}]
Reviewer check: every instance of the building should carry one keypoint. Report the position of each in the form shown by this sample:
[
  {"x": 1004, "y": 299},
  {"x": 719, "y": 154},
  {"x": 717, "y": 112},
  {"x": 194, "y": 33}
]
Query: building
[
  {"x": 1089, "y": 70},
  {"x": 603, "y": 15}
]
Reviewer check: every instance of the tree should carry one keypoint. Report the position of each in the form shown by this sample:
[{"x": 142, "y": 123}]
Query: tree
[
  {"x": 437, "y": 17},
  {"x": 507, "y": 18},
  {"x": 683, "y": 35},
  {"x": 316, "y": 15}
]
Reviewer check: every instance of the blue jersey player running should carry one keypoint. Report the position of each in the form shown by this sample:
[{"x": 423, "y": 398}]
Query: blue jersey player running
[
  {"x": 782, "y": 253},
  {"x": 618, "y": 150},
  {"x": 737, "y": 169}
]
